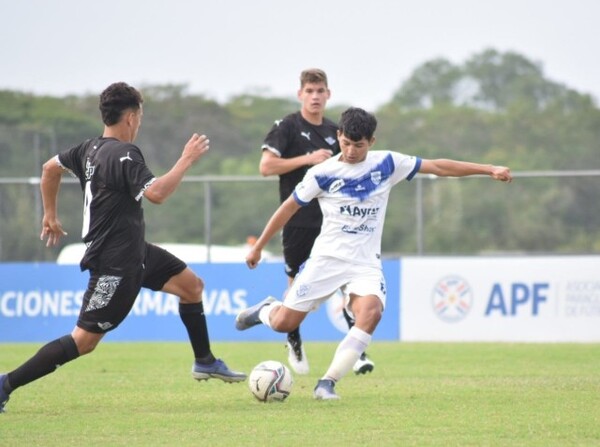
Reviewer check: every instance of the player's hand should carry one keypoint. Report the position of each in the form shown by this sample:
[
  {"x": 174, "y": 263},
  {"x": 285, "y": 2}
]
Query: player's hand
[
  {"x": 51, "y": 229},
  {"x": 319, "y": 156},
  {"x": 197, "y": 146},
  {"x": 501, "y": 173},
  {"x": 253, "y": 258}
]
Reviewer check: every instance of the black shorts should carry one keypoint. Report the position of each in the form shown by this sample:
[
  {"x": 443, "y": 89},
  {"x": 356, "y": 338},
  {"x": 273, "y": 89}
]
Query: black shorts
[
  {"x": 109, "y": 298},
  {"x": 297, "y": 244}
]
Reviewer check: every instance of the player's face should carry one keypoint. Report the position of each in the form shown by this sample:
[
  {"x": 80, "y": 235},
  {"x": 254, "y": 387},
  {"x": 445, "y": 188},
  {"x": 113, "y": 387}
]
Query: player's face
[
  {"x": 354, "y": 151},
  {"x": 313, "y": 97}
]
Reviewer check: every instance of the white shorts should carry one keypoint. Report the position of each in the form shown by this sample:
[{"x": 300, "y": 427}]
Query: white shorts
[{"x": 322, "y": 276}]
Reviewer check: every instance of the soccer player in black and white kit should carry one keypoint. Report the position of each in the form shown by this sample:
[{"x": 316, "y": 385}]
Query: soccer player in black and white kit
[
  {"x": 294, "y": 144},
  {"x": 114, "y": 179}
]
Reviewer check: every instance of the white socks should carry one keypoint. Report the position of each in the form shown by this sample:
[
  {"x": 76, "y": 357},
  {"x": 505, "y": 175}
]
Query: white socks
[
  {"x": 265, "y": 312},
  {"x": 348, "y": 351}
]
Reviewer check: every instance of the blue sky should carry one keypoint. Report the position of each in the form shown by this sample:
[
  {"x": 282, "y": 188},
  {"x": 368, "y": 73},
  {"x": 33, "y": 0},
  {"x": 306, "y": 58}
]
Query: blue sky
[{"x": 221, "y": 48}]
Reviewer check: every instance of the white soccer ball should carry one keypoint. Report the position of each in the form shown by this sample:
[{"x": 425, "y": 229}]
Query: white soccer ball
[{"x": 270, "y": 381}]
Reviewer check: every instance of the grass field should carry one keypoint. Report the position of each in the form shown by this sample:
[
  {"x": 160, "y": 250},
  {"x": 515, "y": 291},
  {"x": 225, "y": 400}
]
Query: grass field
[{"x": 420, "y": 394}]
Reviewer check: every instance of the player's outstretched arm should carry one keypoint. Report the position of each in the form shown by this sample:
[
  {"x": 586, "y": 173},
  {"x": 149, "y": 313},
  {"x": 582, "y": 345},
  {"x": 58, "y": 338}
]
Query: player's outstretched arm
[
  {"x": 283, "y": 214},
  {"x": 165, "y": 185},
  {"x": 452, "y": 168}
]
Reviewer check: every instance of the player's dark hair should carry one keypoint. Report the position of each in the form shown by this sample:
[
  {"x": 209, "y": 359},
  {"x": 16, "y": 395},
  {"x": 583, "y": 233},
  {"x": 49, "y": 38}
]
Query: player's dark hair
[
  {"x": 313, "y": 76},
  {"x": 357, "y": 124},
  {"x": 117, "y": 98}
]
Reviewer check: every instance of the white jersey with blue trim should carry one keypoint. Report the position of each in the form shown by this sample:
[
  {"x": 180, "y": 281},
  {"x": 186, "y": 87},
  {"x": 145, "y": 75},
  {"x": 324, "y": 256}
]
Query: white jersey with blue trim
[{"x": 353, "y": 199}]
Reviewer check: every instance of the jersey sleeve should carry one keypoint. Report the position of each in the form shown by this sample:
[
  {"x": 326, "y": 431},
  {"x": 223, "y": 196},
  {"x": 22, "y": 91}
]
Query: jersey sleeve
[
  {"x": 278, "y": 138},
  {"x": 70, "y": 160},
  {"x": 307, "y": 189},
  {"x": 136, "y": 173},
  {"x": 405, "y": 166}
]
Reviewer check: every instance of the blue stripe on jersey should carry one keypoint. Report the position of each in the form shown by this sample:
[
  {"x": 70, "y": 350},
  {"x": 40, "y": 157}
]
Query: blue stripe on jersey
[
  {"x": 361, "y": 187},
  {"x": 415, "y": 169},
  {"x": 298, "y": 201}
]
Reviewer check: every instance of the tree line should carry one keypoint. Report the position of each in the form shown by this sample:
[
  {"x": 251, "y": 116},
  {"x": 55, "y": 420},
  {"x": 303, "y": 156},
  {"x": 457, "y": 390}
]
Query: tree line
[{"x": 495, "y": 108}]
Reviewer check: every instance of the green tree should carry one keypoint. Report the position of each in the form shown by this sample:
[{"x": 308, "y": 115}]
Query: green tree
[{"x": 495, "y": 108}]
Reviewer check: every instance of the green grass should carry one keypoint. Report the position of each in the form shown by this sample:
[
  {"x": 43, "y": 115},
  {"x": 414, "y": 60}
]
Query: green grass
[{"x": 420, "y": 394}]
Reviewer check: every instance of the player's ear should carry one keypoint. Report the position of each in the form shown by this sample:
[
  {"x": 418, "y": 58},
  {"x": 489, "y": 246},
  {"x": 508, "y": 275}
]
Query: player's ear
[
  {"x": 129, "y": 117},
  {"x": 371, "y": 141}
]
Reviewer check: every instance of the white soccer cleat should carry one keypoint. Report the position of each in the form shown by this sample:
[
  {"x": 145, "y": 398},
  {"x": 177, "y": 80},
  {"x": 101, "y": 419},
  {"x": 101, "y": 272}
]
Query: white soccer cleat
[
  {"x": 297, "y": 357},
  {"x": 363, "y": 365}
]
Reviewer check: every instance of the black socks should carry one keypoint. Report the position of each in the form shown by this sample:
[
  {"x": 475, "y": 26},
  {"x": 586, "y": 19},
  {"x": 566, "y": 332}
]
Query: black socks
[
  {"x": 294, "y": 336},
  {"x": 46, "y": 360},
  {"x": 192, "y": 316}
]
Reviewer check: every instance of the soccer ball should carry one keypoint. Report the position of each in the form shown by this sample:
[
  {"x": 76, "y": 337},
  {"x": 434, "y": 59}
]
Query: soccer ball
[{"x": 270, "y": 381}]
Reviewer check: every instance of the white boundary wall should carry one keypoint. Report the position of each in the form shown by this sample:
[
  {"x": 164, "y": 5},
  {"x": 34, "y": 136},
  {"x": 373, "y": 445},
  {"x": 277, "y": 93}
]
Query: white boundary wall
[{"x": 512, "y": 299}]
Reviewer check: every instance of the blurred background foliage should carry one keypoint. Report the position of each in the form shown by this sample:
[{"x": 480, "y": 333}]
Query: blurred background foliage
[{"x": 495, "y": 108}]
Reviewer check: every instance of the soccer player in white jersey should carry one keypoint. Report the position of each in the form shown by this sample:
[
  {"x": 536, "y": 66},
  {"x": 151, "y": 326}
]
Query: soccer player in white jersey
[
  {"x": 294, "y": 144},
  {"x": 352, "y": 189}
]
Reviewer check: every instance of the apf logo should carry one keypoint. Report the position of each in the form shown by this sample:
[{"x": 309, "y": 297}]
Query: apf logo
[{"x": 452, "y": 299}]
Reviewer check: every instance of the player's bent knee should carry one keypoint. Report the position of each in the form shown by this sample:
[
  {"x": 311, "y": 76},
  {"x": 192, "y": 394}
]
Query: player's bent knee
[
  {"x": 285, "y": 320},
  {"x": 86, "y": 349},
  {"x": 198, "y": 288},
  {"x": 282, "y": 326},
  {"x": 86, "y": 342},
  {"x": 192, "y": 291},
  {"x": 374, "y": 318},
  {"x": 369, "y": 319}
]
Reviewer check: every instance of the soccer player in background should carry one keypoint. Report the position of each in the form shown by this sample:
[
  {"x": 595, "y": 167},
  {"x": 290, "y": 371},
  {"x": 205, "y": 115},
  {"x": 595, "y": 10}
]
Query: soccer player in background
[
  {"x": 294, "y": 144},
  {"x": 114, "y": 179},
  {"x": 353, "y": 190}
]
